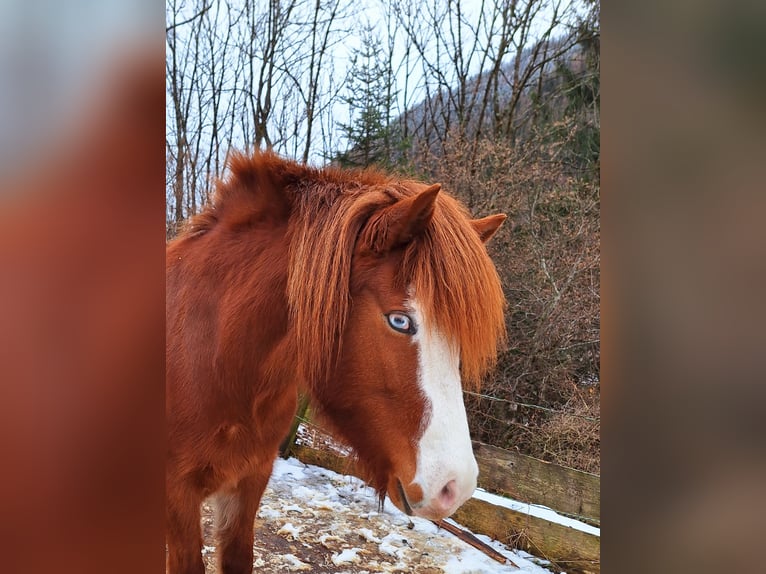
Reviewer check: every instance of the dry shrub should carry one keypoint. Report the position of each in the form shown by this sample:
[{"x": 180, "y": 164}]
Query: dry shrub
[
  {"x": 571, "y": 438},
  {"x": 548, "y": 258}
]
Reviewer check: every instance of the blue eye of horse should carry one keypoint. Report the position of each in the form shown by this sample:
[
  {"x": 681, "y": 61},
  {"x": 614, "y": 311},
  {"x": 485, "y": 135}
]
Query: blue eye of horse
[{"x": 402, "y": 323}]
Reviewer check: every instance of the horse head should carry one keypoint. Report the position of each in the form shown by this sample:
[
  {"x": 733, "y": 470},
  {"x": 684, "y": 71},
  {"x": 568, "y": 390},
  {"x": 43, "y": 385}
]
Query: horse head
[{"x": 395, "y": 393}]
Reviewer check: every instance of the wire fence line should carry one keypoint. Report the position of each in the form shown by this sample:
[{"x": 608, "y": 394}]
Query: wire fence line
[
  {"x": 313, "y": 424},
  {"x": 531, "y": 406}
]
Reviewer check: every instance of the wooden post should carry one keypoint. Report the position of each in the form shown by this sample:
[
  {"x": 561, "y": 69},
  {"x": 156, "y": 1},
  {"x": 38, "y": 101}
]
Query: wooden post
[{"x": 286, "y": 447}]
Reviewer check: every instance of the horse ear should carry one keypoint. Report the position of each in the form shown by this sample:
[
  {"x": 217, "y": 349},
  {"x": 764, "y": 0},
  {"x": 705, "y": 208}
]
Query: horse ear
[
  {"x": 487, "y": 226},
  {"x": 399, "y": 223}
]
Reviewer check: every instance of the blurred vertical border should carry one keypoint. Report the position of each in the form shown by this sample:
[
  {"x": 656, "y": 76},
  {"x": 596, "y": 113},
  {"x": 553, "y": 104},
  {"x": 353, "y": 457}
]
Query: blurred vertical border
[
  {"x": 684, "y": 257},
  {"x": 82, "y": 288}
]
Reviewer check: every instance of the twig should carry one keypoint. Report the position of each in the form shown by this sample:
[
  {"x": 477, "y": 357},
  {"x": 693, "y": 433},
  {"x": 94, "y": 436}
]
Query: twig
[{"x": 469, "y": 538}]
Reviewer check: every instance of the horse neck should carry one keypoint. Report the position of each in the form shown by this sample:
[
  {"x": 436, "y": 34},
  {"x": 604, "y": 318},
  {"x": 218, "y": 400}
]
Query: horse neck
[{"x": 246, "y": 274}]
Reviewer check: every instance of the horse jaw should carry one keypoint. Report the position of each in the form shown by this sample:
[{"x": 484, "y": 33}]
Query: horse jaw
[{"x": 446, "y": 469}]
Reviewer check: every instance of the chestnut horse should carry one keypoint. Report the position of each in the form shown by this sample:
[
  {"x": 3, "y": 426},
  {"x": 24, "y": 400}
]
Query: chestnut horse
[{"x": 372, "y": 293}]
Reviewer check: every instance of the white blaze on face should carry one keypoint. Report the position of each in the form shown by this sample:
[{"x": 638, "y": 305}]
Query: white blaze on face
[{"x": 444, "y": 451}]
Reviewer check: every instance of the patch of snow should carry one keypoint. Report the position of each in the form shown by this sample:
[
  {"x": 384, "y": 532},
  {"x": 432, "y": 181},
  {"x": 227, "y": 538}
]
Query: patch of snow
[
  {"x": 289, "y": 531},
  {"x": 589, "y": 380},
  {"x": 292, "y": 467},
  {"x": 369, "y": 535},
  {"x": 310, "y": 437},
  {"x": 268, "y": 513},
  {"x": 536, "y": 510},
  {"x": 471, "y": 561},
  {"x": 303, "y": 492},
  {"x": 323, "y": 504},
  {"x": 393, "y": 544},
  {"x": 346, "y": 556},
  {"x": 424, "y": 525},
  {"x": 326, "y": 539},
  {"x": 294, "y": 563}
]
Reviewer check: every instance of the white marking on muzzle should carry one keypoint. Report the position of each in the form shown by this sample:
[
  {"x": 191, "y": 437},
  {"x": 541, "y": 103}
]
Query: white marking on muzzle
[{"x": 444, "y": 451}]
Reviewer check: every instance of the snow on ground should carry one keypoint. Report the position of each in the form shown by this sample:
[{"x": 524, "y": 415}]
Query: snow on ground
[{"x": 314, "y": 520}]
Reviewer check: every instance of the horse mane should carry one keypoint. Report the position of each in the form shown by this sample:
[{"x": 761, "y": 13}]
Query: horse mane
[{"x": 326, "y": 209}]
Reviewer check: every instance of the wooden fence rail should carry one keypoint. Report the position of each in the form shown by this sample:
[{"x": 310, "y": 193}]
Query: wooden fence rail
[
  {"x": 568, "y": 491},
  {"x": 525, "y": 479}
]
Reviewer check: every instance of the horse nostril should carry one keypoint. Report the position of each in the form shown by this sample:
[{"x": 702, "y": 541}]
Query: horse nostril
[{"x": 448, "y": 494}]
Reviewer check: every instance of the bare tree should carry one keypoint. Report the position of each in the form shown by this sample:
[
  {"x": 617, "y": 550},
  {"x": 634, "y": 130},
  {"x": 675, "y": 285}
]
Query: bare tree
[
  {"x": 322, "y": 31},
  {"x": 480, "y": 64},
  {"x": 182, "y": 73},
  {"x": 266, "y": 45}
]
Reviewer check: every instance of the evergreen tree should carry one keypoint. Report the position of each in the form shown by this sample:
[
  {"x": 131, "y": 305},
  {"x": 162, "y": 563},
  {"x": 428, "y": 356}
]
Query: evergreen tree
[{"x": 369, "y": 102}]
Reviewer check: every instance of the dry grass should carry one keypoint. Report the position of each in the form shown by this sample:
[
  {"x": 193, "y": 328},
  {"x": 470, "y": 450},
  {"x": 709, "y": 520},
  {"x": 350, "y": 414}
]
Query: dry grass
[{"x": 570, "y": 440}]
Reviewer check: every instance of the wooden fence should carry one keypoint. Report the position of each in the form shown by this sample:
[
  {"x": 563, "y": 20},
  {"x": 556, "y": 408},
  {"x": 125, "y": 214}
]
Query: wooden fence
[{"x": 526, "y": 479}]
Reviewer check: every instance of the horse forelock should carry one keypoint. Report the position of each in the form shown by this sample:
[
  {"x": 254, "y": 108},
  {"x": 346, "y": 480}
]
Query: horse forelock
[
  {"x": 330, "y": 208},
  {"x": 318, "y": 285}
]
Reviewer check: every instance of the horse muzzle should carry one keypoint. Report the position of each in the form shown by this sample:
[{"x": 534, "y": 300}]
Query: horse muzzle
[{"x": 441, "y": 504}]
